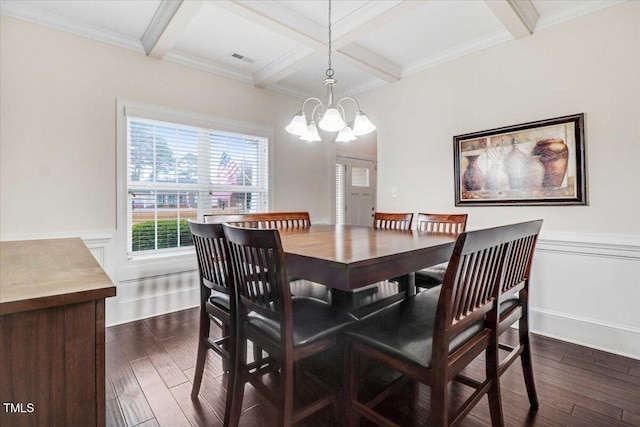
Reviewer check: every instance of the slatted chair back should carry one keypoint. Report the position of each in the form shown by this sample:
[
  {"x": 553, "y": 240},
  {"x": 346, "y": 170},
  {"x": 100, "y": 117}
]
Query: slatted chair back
[
  {"x": 260, "y": 273},
  {"x": 465, "y": 326},
  {"x": 216, "y": 301},
  {"x": 518, "y": 259},
  {"x": 265, "y": 316},
  {"x": 515, "y": 279},
  {"x": 483, "y": 262},
  {"x": 392, "y": 221},
  {"x": 212, "y": 255},
  {"x": 441, "y": 223},
  {"x": 470, "y": 283},
  {"x": 437, "y": 224},
  {"x": 277, "y": 220}
]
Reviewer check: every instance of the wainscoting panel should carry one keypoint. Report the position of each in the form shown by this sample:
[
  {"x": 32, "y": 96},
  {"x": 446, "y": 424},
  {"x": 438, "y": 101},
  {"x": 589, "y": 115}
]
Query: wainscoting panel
[
  {"x": 151, "y": 296},
  {"x": 585, "y": 289}
]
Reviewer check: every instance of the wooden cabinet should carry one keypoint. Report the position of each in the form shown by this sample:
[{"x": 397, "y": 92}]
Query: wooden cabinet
[{"x": 52, "y": 342}]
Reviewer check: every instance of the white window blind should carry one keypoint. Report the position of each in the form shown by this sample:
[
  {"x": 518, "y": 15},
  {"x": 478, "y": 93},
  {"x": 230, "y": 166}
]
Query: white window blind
[{"x": 177, "y": 171}]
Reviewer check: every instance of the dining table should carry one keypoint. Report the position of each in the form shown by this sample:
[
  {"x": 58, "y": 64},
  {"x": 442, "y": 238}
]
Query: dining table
[{"x": 346, "y": 258}]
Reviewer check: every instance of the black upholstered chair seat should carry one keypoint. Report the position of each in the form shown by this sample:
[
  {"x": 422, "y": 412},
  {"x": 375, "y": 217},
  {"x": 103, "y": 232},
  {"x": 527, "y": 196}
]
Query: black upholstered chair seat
[
  {"x": 312, "y": 320},
  {"x": 219, "y": 299},
  {"x": 405, "y": 330},
  {"x": 432, "y": 276}
]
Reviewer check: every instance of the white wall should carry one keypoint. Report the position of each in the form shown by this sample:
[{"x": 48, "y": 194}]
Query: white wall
[
  {"x": 587, "y": 270},
  {"x": 58, "y": 148}
]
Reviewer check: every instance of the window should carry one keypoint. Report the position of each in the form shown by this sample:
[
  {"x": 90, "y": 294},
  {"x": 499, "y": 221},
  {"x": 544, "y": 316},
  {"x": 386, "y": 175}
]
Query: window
[
  {"x": 359, "y": 177},
  {"x": 177, "y": 171}
]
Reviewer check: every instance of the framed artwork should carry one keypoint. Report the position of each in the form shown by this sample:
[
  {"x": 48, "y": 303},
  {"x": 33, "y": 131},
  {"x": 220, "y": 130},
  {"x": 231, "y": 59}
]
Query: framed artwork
[{"x": 536, "y": 163}]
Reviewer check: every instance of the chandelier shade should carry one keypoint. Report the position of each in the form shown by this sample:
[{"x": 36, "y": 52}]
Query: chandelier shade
[
  {"x": 346, "y": 135},
  {"x": 362, "y": 125},
  {"x": 331, "y": 116},
  {"x": 298, "y": 124},
  {"x": 331, "y": 120},
  {"x": 311, "y": 133}
]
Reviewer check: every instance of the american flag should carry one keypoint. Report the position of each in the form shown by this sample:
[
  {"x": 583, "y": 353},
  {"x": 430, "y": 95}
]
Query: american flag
[{"x": 227, "y": 170}]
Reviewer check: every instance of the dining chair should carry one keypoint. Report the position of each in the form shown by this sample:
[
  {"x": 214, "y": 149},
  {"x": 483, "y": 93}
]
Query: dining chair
[
  {"x": 513, "y": 297},
  {"x": 437, "y": 224},
  {"x": 278, "y": 220},
  {"x": 288, "y": 329},
  {"x": 389, "y": 221},
  {"x": 432, "y": 336},
  {"x": 216, "y": 303},
  {"x": 392, "y": 221}
]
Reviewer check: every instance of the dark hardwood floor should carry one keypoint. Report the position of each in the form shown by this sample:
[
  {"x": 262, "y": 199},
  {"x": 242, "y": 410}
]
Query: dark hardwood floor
[{"x": 150, "y": 366}]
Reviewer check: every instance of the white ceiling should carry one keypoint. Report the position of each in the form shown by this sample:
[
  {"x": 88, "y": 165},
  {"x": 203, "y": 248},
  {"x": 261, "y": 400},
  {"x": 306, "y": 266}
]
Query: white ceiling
[{"x": 286, "y": 41}]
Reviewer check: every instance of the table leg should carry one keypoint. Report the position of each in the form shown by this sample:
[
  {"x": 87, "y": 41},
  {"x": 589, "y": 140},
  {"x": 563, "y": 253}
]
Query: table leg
[
  {"x": 342, "y": 299},
  {"x": 407, "y": 283}
]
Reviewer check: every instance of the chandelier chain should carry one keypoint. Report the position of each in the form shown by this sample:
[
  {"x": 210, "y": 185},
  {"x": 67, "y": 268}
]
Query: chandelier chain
[
  {"x": 331, "y": 116},
  {"x": 329, "y": 70}
]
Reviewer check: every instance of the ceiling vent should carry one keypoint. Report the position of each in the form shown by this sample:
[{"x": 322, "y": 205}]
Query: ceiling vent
[{"x": 243, "y": 58}]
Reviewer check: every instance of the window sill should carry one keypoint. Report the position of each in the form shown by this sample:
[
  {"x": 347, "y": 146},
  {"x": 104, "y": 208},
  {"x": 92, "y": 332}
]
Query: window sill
[{"x": 150, "y": 265}]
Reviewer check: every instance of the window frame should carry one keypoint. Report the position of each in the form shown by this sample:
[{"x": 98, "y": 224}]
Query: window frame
[{"x": 179, "y": 258}]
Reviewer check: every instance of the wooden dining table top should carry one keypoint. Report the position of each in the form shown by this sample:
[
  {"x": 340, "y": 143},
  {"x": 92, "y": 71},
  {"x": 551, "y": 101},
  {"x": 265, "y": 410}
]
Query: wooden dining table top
[{"x": 349, "y": 257}]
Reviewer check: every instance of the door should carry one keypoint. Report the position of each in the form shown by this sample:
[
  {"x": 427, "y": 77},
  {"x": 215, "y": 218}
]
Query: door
[{"x": 359, "y": 191}]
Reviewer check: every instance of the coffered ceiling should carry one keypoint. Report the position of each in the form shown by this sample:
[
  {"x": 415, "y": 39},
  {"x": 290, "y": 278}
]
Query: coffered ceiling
[{"x": 282, "y": 44}]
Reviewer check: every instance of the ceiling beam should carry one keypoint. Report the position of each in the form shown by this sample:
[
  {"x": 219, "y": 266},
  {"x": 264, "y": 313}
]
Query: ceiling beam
[
  {"x": 167, "y": 25},
  {"x": 376, "y": 22},
  {"x": 370, "y": 62},
  {"x": 519, "y": 17},
  {"x": 285, "y": 66},
  {"x": 344, "y": 49},
  {"x": 258, "y": 17}
]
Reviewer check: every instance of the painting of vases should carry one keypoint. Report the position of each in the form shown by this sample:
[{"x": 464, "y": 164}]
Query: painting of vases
[
  {"x": 524, "y": 171},
  {"x": 473, "y": 177},
  {"x": 554, "y": 155},
  {"x": 539, "y": 163}
]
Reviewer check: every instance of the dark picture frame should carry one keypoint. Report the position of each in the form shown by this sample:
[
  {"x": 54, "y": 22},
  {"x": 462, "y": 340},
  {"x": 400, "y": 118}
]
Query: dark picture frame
[{"x": 535, "y": 163}]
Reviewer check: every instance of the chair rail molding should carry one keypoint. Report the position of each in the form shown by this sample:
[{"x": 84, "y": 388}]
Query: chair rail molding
[
  {"x": 619, "y": 246},
  {"x": 572, "y": 274}
]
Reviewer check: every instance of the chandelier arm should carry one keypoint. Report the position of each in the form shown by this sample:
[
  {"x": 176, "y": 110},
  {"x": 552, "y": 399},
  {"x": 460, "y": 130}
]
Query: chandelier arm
[
  {"x": 332, "y": 115},
  {"x": 351, "y": 99},
  {"x": 316, "y": 107},
  {"x": 311, "y": 99},
  {"x": 344, "y": 115}
]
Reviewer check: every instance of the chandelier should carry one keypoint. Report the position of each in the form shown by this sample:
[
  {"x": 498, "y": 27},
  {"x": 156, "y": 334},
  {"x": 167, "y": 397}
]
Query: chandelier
[{"x": 332, "y": 116}]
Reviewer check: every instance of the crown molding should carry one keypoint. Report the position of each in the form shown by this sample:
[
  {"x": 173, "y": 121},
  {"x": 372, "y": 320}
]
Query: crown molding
[
  {"x": 36, "y": 16},
  {"x": 288, "y": 90},
  {"x": 200, "y": 64},
  {"x": 365, "y": 86},
  {"x": 569, "y": 13},
  {"x": 457, "y": 52}
]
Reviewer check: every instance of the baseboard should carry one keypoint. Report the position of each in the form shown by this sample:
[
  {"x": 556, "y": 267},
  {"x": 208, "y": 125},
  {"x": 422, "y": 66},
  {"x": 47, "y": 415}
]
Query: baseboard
[
  {"x": 609, "y": 337},
  {"x": 152, "y": 296}
]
